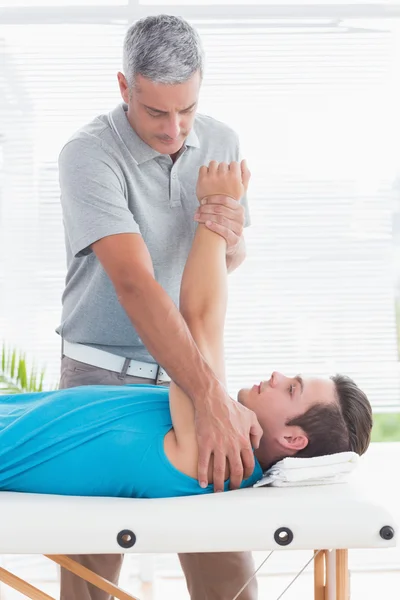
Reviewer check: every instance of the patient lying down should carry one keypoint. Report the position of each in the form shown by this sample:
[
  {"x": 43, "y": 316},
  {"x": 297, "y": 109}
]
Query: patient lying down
[{"x": 140, "y": 440}]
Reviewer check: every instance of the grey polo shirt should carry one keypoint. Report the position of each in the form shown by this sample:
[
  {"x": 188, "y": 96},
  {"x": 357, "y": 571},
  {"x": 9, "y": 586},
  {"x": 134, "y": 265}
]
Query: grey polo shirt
[{"x": 112, "y": 182}]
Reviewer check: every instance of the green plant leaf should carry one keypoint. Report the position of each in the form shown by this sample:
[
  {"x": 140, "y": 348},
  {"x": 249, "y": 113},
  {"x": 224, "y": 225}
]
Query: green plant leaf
[
  {"x": 13, "y": 361},
  {"x": 3, "y": 358},
  {"x": 40, "y": 386},
  {"x": 8, "y": 387},
  {"x": 31, "y": 382},
  {"x": 15, "y": 378}
]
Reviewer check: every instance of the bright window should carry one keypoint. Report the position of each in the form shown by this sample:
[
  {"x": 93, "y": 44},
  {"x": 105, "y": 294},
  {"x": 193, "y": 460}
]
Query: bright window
[{"x": 315, "y": 104}]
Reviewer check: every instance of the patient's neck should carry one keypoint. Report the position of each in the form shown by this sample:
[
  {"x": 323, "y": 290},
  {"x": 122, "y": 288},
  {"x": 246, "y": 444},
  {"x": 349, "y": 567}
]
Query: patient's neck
[{"x": 265, "y": 457}]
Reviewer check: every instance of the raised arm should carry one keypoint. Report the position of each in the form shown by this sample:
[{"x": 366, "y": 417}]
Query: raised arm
[{"x": 203, "y": 302}]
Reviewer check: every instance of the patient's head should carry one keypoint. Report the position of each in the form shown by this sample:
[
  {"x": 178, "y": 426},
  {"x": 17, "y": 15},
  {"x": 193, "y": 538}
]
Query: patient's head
[{"x": 307, "y": 417}]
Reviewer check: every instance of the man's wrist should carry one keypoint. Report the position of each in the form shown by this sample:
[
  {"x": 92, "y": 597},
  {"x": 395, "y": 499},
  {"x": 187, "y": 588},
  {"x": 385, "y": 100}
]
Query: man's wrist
[{"x": 208, "y": 390}]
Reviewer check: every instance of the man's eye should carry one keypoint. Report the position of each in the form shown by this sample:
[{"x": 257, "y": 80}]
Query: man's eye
[
  {"x": 155, "y": 115},
  {"x": 291, "y": 389}
]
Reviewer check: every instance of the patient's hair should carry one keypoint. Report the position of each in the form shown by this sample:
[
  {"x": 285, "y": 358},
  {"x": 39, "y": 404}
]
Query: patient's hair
[{"x": 339, "y": 427}]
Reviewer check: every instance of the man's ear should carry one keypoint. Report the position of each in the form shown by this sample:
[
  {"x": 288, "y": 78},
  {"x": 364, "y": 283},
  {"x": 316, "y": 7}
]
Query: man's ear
[
  {"x": 123, "y": 87},
  {"x": 294, "y": 439}
]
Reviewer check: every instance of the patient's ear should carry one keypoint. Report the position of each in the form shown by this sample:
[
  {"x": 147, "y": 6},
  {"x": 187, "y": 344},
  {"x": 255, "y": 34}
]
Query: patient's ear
[{"x": 294, "y": 439}]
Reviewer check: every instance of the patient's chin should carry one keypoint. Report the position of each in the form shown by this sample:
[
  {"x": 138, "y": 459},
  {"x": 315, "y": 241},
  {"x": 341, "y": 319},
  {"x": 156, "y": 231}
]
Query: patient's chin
[{"x": 242, "y": 395}]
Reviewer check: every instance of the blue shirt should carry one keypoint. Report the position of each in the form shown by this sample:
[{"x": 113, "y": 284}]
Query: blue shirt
[{"x": 92, "y": 441}]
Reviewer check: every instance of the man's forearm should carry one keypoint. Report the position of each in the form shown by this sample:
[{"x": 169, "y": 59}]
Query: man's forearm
[
  {"x": 233, "y": 261},
  {"x": 165, "y": 334}
]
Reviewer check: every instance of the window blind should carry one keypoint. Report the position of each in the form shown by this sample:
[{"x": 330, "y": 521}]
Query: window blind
[
  {"x": 314, "y": 105},
  {"x": 315, "y": 110},
  {"x": 58, "y": 78}
]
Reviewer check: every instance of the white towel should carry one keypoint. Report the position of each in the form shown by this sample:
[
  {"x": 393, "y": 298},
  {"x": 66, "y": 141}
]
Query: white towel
[{"x": 319, "y": 470}]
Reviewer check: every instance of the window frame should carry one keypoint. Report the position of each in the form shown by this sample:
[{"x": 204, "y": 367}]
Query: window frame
[{"x": 240, "y": 12}]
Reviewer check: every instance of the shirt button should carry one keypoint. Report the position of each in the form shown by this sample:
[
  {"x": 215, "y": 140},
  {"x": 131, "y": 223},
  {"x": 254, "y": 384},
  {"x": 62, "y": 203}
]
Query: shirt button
[{"x": 173, "y": 175}]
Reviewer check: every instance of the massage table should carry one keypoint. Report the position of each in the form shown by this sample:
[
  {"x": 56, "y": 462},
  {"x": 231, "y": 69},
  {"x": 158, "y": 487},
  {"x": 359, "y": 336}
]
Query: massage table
[{"x": 327, "y": 519}]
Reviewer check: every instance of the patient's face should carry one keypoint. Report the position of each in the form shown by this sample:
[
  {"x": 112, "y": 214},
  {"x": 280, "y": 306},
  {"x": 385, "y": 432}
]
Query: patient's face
[{"x": 281, "y": 398}]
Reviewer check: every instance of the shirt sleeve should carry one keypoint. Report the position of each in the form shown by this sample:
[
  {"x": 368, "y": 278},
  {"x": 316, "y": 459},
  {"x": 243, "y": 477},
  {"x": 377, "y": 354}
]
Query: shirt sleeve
[{"x": 92, "y": 196}]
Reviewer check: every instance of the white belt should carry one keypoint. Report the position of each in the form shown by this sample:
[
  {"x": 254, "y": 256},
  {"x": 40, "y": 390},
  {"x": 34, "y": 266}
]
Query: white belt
[{"x": 112, "y": 362}]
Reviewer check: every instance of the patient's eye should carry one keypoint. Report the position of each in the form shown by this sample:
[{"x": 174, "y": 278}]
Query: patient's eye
[{"x": 291, "y": 389}]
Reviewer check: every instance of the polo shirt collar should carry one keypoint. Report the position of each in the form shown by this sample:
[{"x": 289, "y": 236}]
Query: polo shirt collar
[
  {"x": 192, "y": 139},
  {"x": 140, "y": 151}
]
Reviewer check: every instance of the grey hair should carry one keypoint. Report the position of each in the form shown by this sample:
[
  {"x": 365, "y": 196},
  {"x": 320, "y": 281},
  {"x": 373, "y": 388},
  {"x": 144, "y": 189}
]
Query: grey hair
[{"x": 162, "y": 48}]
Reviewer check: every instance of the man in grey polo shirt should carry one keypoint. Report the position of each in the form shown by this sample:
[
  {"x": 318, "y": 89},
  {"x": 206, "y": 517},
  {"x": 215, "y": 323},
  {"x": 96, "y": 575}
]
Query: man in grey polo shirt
[{"x": 128, "y": 190}]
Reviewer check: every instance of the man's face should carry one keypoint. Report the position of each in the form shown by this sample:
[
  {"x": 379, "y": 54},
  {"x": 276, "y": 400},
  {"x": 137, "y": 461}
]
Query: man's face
[
  {"x": 162, "y": 115},
  {"x": 280, "y": 399}
]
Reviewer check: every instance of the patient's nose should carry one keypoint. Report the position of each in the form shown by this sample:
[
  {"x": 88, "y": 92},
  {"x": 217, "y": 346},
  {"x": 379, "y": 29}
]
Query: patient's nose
[{"x": 276, "y": 378}]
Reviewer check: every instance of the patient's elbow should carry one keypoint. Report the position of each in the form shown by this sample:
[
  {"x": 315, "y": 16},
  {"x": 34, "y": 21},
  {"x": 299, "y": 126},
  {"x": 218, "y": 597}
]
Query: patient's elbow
[
  {"x": 202, "y": 306},
  {"x": 195, "y": 321},
  {"x": 194, "y": 312},
  {"x": 205, "y": 326}
]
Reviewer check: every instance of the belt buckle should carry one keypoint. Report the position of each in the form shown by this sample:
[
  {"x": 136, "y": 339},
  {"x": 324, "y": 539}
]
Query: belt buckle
[{"x": 159, "y": 376}]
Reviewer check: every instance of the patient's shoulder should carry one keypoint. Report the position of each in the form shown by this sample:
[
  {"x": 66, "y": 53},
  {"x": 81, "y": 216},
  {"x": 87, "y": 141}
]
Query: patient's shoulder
[{"x": 183, "y": 456}]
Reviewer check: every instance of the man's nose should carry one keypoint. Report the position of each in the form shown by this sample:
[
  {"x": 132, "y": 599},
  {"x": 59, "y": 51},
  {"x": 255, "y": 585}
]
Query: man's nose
[{"x": 173, "y": 129}]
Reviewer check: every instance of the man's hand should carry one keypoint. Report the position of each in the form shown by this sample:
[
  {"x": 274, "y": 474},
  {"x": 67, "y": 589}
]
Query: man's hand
[
  {"x": 219, "y": 189},
  {"x": 228, "y": 431}
]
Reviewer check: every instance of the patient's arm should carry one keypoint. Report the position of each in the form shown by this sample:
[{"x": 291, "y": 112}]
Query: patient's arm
[
  {"x": 203, "y": 301},
  {"x": 203, "y": 305}
]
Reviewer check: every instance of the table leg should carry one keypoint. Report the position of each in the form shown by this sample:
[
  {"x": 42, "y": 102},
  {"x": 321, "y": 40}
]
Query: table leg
[
  {"x": 90, "y": 576},
  {"x": 22, "y": 586},
  {"x": 319, "y": 575},
  {"x": 342, "y": 575}
]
